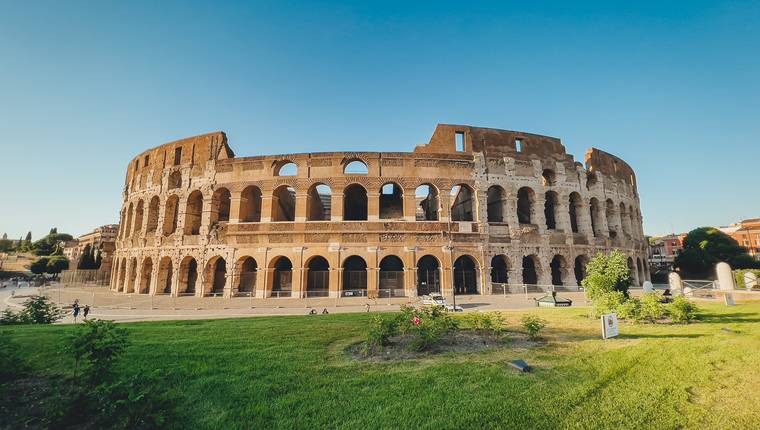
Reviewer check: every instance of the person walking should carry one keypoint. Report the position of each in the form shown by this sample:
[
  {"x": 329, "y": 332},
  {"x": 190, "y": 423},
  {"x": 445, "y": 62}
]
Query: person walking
[
  {"x": 75, "y": 310},
  {"x": 86, "y": 311}
]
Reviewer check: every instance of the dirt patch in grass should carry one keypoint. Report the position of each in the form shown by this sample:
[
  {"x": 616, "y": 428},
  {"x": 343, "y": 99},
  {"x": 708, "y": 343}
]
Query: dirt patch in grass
[{"x": 461, "y": 342}]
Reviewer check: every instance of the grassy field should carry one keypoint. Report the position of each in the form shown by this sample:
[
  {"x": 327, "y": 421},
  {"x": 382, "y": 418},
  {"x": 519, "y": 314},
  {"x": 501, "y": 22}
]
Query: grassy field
[{"x": 293, "y": 372}]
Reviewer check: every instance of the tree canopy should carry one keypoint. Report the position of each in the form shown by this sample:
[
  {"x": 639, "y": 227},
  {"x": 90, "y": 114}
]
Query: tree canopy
[
  {"x": 606, "y": 273},
  {"x": 704, "y": 247}
]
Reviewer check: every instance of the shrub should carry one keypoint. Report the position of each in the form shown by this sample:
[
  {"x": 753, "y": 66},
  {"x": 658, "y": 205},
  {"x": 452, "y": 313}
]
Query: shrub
[
  {"x": 630, "y": 309},
  {"x": 134, "y": 402},
  {"x": 606, "y": 273},
  {"x": 681, "y": 310},
  {"x": 37, "y": 310},
  {"x": 607, "y": 302},
  {"x": 381, "y": 329},
  {"x": 652, "y": 309},
  {"x": 427, "y": 325},
  {"x": 99, "y": 343},
  {"x": 533, "y": 324},
  {"x": 489, "y": 323}
]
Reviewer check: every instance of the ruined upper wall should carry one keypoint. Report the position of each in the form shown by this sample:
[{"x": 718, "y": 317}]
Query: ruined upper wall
[{"x": 606, "y": 164}]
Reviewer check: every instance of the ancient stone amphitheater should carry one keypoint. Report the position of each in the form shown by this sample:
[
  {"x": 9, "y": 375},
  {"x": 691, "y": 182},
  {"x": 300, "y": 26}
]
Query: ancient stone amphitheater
[{"x": 474, "y": 211}]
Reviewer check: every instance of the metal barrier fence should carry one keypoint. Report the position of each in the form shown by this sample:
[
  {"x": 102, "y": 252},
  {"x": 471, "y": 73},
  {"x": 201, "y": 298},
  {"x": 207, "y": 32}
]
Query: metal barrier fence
[
  {"x": 88, "y": 277},
  {"x": 506, "y": 289}
]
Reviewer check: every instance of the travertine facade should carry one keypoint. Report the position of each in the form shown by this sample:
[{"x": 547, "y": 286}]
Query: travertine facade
[{"x": 472, "y": 210}]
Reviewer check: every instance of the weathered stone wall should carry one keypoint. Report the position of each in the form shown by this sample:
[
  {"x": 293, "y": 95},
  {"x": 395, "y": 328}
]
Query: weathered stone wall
[{"x": 199, "y": 217}]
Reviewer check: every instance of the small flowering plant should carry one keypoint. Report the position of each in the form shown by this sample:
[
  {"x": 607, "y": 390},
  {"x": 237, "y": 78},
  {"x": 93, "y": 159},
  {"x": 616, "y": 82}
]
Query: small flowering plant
[{"x": 426, "y": 325}]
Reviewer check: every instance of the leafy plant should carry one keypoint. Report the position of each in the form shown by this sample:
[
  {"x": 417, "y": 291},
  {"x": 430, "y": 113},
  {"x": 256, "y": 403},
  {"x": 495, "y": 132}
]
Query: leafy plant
[
  {"x": 630, "y": 309},
  {"x": 490, "y": 323},
  {"x": 606, "y": 273},
  {"x": 652, "y": 308},
  {"x": 681, "y": 310},
  {"x": 533, "y": 324},
  {"x": 427, "y": 325},
  {"x": 99, "y": 343},
  {"x": 607, "y": 302},
  {"x": 37, "y": 310},
  {"x": 380, "y": 330}
]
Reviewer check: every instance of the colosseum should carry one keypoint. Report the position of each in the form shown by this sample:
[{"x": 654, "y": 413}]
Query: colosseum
[{"x": 473, "y": 211}]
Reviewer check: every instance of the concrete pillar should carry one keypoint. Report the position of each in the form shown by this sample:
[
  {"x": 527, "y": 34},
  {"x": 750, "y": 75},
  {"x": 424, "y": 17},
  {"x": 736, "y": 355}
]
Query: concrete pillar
[{"x": 726, "y": 280}]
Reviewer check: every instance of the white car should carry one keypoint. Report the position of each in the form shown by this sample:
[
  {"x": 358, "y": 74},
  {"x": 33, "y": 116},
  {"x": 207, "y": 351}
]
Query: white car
[{"x": 438, "y": 300}]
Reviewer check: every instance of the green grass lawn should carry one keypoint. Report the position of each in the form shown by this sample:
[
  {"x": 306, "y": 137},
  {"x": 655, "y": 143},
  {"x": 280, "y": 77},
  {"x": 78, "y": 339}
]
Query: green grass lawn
[{"x": 293, "y": 372}]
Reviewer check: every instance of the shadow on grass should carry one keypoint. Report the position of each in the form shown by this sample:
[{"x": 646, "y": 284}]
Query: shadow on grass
[
  {"x": 471, "y": 305},
  {"x": 737, "y": 317},
  {"x": 660, "y": 336}
]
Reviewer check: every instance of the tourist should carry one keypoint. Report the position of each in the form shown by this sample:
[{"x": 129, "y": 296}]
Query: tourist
[
  {"x": 324, "y": 311},
  {"x": 86, "y": 311},
  {"x": 75, "y": 310},
  {"x": 313, "y": 311},
  {"x": 367, "y": 307}
]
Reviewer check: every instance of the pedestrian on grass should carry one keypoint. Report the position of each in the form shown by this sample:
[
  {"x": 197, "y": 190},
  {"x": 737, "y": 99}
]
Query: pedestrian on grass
[
  {"x": 86, "y": 311},
  {"x": 324, "y": 311},
  {"x": 75, "y": 310},
  {"x": 367, "y": 307}
]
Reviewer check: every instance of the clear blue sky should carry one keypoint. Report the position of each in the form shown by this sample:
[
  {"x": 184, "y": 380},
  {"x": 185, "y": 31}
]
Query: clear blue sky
[{"x": 671, "y": 87}]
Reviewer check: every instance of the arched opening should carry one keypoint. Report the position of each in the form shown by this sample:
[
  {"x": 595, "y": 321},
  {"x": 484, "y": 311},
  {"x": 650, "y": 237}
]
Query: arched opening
[
  {"x": 574, "y": 208},
  {"x": 610, "y": 214},
  {"x": 188, "y": 276},
  {"x": 122, "y": 222},
  {"x": 132, "y": 276},
  {"x": 356, "y": 167},
  {"x": 130, "y": 214},
  {"x": 282, "y": 277},
  {"x": 319, "y": 203},
  {"x": 551, "y": 200},
  {"x": 152, "y": 222},
  {"x": 559, "y": 269},
  {"x": 165, "y": 274},
  {"x": 640, "y": 271},
  {"x": 193, "y": 213},
  {"x": 391, "y": 277},
  {"x": 525, "y": 199},
  {"x": 595, "y": 216},
  {"x": 354, "y": 276},
  {"x": 462, "y": 207},
  {"x": 122, "y": 276},
  {"x": 247, "y": 276},
  {"x": 175, "y": 180},
  {"x": 139, "y": 217},
  {"x": 632, "y": 215},
  {"x": 580, "y": 268},
  {"x": 465, "y": 275},
  {"x": 590, "y": 180},
  {"x": 171, "y": 214},
  {"x": 428, "y": 275},
  {"x": 495, "y": 200},
  {"x": 625, "y": 220},
  {"x": 631, "y": 268},
  {"x": 499, "y": 270},
  {"x": 215, "y": 276},
  {"x": 286, "y": 168},
  {"x": 250, "y": 204},
  {"x": 220, "y": 206},
  {"x": 391, "y": 201},
  {"x": 318, "y": 277},
  {"x": 549, "y": 178},
  {"x": 284, "y": 203},
  {"x": 426, "y": 197},
  {"x": 530, "y": 270},
  {"x": 146, "y": 276},
  {"x": 355, "y": 203}
]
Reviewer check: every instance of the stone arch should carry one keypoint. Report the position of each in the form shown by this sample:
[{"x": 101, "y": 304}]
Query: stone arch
[
  {"x": 354, "y": 276},
  {"x": 139, "y": 212},
  {"x": 220, "y": 205},
  {"x": 499, "y": 269},
  {"x": 132, "y": 280},
  {"x": 595, "y": 213},
  {"x": 284, "y": 168},
  {"x": 153, "y": 208},
  {"x": 427, "y": 202},
  {"x": 175, "y": 180},
  {"x": 146, "y": 276},
  {"x": 194, "y": 213},
  {"x": 610, "y": 214},
  {"x": 526, "y": 199},
  {"x": 165, "y": 275},
  {"x": 188, "y": 276},
  {"x": 355, "y": 166},
  {"x": 640, "y": 271},
  {"x": 463, "y": 203},
  {"x": 632, "y": 268},
  {"x": 428, "y": 275},
  {"x": 551, "y": 202},
  {"x": 317, "y": 277},
  {"x": 246, "y": 276},
  {"x": 355, "y": 203},
  {"x": 130, "y": 214},
  {"x": 575, "y": 205},
  {"x": 549, "y": 177},
  {"x": 250, "y": 204},
  {"x": 282, "y": 276},
  {"x": 215, "y": 276},
  {"x": 632, "y": 215},
  {"x": 625, "y": 221},
  {"x": 319, "y": 203},
  {"x": 121, "y": 282},
  {"x": 391, "y": 201},
  {"x": 171, "y": 215},
  {"x": 465, "y": 272},
  {"x": 284, "y": 203},
  {"x": 558, "y": 267},
  {"x": 122, "y": 222},
  {"x": 392, "y": 276},
  {"x": 495, "y": 203},
  {"x": 530, "y": 269},
  {"x": 579, "y": 268}
]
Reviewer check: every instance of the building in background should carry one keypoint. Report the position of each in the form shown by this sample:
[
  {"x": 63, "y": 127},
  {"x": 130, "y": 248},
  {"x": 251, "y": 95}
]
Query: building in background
[
  {"x": 99, "y": 242},
  {"x": 747, "y": 233}
]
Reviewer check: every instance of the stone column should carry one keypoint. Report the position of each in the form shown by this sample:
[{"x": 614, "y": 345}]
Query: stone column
[
  {"x": 301, "y": 203},
  {"x": 153, "y": 287},
  {"x": 538, "y": 217},
  {"x": 514, "y": 274},
  {"x": 410, "y": 281},
  {"x": 336, "y": 209},
  {"x": 373, "y": 206},
  {"x": 298, "y": 286},
  {"x": 544, "y": 271},
  {"x": 584, "y": 219},
  {"x": 675, "y": 283},
  {"x": 726, "y": 280},
  {"x": 510, "y": 207},
  {"x": 206, "y": 216},
  {"x": 175, "y": 279},
  {"x": 266, "y": 207},
  {"x": 261, "y": 282},
  {"x": 373, "y": 279},
  {"x": 336, "y": 280},
  {"x": 410, "y": 205},
  {"x": 563, "y": 214},
  {"x": 235, "y": 202}
]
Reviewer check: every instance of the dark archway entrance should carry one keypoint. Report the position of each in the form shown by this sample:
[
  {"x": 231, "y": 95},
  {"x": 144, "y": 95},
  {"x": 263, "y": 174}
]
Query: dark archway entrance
[
  {"x": 282, "y": 277},
  {"x": 428, "y": 275},
  {"x": 354, "y": 277},
  {"x": 318, "y": 277},
  {"x": 465, "y": 275},
  {"x": 391, "y": 277},
  {"x": 530, "y": 276}
]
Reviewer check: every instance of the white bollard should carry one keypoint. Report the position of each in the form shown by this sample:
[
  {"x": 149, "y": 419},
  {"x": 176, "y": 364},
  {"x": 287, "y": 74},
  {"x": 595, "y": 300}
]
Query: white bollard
[
  {"x": 750, "y": 280},
  {"x": 725, "y": 277},
  {"x": 648, "y": 287},
  {"x": 676, "y": 285}
]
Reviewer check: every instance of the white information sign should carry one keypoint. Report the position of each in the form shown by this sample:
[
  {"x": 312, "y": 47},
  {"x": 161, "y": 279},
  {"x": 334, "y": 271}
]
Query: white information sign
[{"x": 609, "y": 326}]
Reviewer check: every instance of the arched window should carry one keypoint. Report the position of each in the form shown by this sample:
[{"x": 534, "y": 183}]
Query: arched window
[
  {"x": 426, "y": 196},
  {"x": 391, "y": 201},
  {"x": 574, "y": 208},
  {"x": 580, "y": 268},
  {"x": 391, "y": 277},
  {"x": 549, "y": 177},
  {"x": 165, "y": 273},
  {"x": 496, "y": 198},
  {"x": 215, "y": 276},
  {"x": 220, "y": 206},
  {"x": 153, "y": 208},
  {"x": 286, "y": 168},
  {"x": 175, "y": 180},
  {"x": 550, "y": 209},
  {"x": 525, "y": 200},
  {"x": 247, "y": 276},
  {"x": 355, "y": 203},
  {"x": 284, "y": 203},
  {"x": 193, "y": 213},
  {"x": 318, "y": 277},
  {"x": 250, "y": 204},
  {"x": 462, "y": 207},
  {"x": 354, "y": 276},
  {"x": 499, "y": 270},
  {"x": 146, "y": 276},
  {"x": 188, "y": 276},
  {"x": 559, "y": 269},
  {"x": 171, "y": 212},
  {"x": 530, "y": 270},
  {"x": 282, "y": 277},
  {"x": 139, "y": 217},
  {"x": 319, "y": 203},
  {"x": 356, "y": 167},
  {"x": 465, "y": 275},
  {"x": 428, "y": 275}
]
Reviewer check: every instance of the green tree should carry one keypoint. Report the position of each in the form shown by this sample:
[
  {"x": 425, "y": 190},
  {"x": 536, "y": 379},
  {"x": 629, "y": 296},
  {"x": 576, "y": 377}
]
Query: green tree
[
  {"x": 39, "y": 266},
  {"x": 99, "y": 343},
  {"x": 57, "y": 263},
  {"x": 606, "y": 273},
  {"x": 29, "y": 237},
  {"x": 49, "y": 244},
  {"x": 86, "y": 261},
  {"x": 6, "y": 245},
  {"x": 54, "y": 230},
  {"x": 704, "y": 247}
]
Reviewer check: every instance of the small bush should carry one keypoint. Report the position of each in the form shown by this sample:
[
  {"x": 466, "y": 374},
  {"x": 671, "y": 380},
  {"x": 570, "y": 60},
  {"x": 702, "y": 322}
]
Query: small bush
[
  {"x": 487, "y": 323},
  {"x": 630, "y": 309},
  {"x": 134, "y": 402},
  {"x": 652, "y": 309},
  {"x": 381, "y": 329},
  {"x": 681, "y": 310},
  {"x": 37, "y": 310},
  {"x": 533, "y": 324},
  {"x": 99, "y": 343},
  {"x": 427, "y": 325},
  {"x": 607, "y": 302}
]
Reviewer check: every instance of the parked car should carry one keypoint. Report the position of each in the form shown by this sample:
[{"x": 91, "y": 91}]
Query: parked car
[{"x": 438, "y": 300}]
